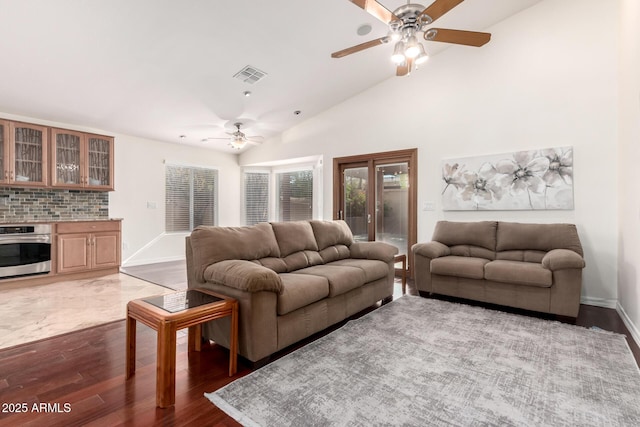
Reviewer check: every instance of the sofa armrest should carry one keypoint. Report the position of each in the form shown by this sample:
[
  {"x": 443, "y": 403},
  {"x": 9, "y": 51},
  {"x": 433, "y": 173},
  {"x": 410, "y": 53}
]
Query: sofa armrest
[
  {"x": 373, "y": 250},
  {"x": 243, "y": 275},
  {"x": 431, "y": 249},
  {"x": 561, "y": 259}
]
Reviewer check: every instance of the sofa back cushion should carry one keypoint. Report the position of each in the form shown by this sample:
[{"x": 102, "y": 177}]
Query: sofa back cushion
[
  {"x": 330, "y": 233},
  {"x": 294, "y": 236},
  {"x": 481, "y": 234},
  {"x": 513, "y": 236},
  {"x": 213, "y": 244}
]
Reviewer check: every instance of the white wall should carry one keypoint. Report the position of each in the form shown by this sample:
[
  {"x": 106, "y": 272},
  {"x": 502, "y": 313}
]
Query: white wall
[
  {"x": 629, "y": 173},
  {"x": 140, "y": 182},
  {"x": 547, "y": 78}
]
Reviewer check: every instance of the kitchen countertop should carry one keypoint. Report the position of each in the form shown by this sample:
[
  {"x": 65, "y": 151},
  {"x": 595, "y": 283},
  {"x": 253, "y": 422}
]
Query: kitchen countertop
[{"x": 57, "y": 220}]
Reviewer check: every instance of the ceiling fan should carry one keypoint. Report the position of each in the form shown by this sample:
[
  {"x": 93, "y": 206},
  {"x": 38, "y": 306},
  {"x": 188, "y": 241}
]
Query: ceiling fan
[
  {"x": 405, "y": 23},
  {"x": 238, "y": 139}
]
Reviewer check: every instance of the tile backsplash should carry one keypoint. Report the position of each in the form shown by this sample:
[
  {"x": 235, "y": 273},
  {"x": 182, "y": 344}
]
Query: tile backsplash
[{"x": 17, "y": 204}]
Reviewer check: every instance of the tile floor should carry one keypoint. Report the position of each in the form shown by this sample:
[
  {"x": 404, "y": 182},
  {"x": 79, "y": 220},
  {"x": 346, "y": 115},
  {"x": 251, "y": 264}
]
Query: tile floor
[{"x": 37, "y": 312}]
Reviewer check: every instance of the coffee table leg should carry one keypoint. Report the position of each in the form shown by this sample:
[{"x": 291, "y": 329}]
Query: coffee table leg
[
  {"x": 166, "y": 367},
  {"x": 233, "y": 351},
  {"x": 195, "y": 338},
  {"x": 131, "y": 347}
]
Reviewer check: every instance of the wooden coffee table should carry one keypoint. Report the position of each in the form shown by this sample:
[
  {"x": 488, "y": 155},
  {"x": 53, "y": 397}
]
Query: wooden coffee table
[{"x": 169, "y": 313}]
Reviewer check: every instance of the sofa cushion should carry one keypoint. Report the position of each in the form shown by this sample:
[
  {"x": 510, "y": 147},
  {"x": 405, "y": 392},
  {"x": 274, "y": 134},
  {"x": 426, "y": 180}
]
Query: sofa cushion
[
  {"x": 213, "y": 244},
  {"x": 334, "y": 253},
  {"x": 460, "y": 266},
  {"x": 539, "y": 237},
  {"x": 341, "y": 278},
  {"x": 373, "y": 269},
  {"x": 329, "y": 233},
  {"x": 302, "y": 259},
  {"x": 481, "y": 233},
  {"x": 294, "y": 236},
  {"x": 300, "y": 290},
  {"x": 276, "y": 264},
  {"x": 520, "y": 273}
]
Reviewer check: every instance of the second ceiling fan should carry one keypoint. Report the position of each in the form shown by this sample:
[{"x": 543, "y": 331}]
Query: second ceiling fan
[{"x": 405, "y": 23}]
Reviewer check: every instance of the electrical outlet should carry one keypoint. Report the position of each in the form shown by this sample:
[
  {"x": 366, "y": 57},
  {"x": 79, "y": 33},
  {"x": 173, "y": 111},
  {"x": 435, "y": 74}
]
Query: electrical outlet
[
  {"x": 429, "y": 206},
  {"x": 152, "y": 205}
]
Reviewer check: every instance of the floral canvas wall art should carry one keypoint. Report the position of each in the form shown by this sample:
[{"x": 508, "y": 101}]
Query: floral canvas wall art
[{"x": 524, "y": 180}]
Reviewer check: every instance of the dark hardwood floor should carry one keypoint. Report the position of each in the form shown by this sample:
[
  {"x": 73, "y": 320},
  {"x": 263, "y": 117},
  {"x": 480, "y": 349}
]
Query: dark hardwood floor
[{"x": 81, "y": 377}]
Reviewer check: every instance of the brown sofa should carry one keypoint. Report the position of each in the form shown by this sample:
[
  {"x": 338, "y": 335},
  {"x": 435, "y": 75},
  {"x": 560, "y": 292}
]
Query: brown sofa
[
  {"x": 292, "y": 279},
  {"x": 531, "y": 266}
]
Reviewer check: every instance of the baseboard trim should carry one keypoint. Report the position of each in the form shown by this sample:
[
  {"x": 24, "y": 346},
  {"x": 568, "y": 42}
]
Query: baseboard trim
[
  {"x": 600, "y": 302},
  {"x": 633, "y": 329},
  {"x": 152, "y": 261}
]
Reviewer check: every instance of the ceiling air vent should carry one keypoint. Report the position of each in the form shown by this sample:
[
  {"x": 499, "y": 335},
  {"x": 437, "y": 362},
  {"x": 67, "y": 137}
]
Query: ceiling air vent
[{"x": 250, "y": 75}]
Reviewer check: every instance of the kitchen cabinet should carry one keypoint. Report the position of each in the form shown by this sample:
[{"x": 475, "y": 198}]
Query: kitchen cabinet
[
  {"x": 81, "y": 160},
  {"x": 85, "y": 246},
  {"x": 24, "y": 154}
]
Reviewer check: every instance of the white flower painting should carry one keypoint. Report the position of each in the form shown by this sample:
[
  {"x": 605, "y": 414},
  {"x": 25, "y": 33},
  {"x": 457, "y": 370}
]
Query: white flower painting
[{"x": 524, "y": 180}]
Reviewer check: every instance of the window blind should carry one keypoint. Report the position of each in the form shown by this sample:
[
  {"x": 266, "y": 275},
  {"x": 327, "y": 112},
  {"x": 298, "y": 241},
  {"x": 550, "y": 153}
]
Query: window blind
[
  {"x": 191, "y": 197},
  {"x": 294, "y": 195},
  {"x": 256, "y": 197}
]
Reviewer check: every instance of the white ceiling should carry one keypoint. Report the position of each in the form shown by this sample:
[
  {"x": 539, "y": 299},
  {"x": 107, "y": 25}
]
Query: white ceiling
[{"x": 158, "y": 69}]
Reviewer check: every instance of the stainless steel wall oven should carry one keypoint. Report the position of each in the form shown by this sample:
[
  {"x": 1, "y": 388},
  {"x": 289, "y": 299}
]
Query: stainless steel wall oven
[{"x": 25, "y": 249}]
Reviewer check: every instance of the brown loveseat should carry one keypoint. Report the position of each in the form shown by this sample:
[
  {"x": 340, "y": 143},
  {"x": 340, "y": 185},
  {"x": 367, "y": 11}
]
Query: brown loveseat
[
  {"x": 292, "y": 279},
  {"x": 531, "y": 266}
]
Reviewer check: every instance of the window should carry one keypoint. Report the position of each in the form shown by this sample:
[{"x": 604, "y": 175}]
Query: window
[
  {"x": 191, "y": 197},
  {"x": 256, "y": 197},
  {"x": 295, "y": 195},
  {"x": 282, "y": 193}
]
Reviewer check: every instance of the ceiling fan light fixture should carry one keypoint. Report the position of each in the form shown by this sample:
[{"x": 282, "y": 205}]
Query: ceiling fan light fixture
[
  {"x": 422, "y": 56},
  {"x": 237, "y": 142},
  {"x": 412, "y": 49},
  {"x": 398, "y": 53},
  {"x": 394, "y": 36}
]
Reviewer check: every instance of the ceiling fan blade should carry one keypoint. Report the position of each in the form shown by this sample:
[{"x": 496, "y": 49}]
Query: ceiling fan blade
[
  {"x": 469, "y": 38},
  {"x": 439, "y": 8},
  {"x": 404, "y": 69},
  {"x": 361, "y": 46},
  {"x": 375, "y": 9}
]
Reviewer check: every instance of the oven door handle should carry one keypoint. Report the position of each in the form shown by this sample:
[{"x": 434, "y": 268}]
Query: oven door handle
[{"x": 40, "y": 238}]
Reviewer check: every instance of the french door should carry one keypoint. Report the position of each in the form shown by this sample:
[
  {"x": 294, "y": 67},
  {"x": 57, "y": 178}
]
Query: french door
[{"x": 376, "y": 194}]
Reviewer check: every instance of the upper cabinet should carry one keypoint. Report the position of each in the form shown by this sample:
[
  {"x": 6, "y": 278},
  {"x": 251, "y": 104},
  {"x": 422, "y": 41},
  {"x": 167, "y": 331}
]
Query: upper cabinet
[
  {"x": 80, "y": 160},
  {"x": 39, "y": 156},
  {"x": 24, "y": 154}
]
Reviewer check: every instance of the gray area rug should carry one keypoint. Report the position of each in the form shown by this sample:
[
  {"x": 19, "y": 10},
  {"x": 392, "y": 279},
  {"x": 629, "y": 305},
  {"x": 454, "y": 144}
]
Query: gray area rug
[{"x": 425, "y": 362}]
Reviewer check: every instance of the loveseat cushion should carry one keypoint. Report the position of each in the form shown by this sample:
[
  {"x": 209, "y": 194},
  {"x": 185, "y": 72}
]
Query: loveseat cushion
[
  {"x": 243, "y": 275},
  {"x": 520, "y": 273},
  {"x": 341, "y": 278},
  {"x": 373, "y": 269},
  {"x": 460, "y": 266},
  {"x": 480, "y": 233},
  {"x": 300, "y": 290},
  {"x": 294, "y": 236},
  {"x": 540, "y": 237}
]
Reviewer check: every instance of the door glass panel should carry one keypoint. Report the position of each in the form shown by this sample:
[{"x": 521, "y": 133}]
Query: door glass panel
[
  {"x": 392, "y": 205},
  {"x": 28, "y": 154},
  {"x": 99, "y": 167},
  {"x": 67, "y": 158},
  {"x": 356, "y": 213}
]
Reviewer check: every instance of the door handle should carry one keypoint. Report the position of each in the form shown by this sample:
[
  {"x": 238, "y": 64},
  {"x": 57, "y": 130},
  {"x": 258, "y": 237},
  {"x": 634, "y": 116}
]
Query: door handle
[{"x": 368, "y": 218}]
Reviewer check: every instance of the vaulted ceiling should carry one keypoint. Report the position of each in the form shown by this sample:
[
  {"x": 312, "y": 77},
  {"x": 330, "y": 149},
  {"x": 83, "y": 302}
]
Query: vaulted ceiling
[{"x": 159, "y": 69}]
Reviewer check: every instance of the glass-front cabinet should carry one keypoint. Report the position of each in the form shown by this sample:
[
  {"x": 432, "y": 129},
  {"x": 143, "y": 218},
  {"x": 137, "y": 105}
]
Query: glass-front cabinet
[
  {"x": 23, "y": 154},
  {"x": 81, "y": 160}
]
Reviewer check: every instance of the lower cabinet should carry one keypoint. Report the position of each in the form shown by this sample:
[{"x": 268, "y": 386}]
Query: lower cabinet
[{"x": 88, "y": 246}]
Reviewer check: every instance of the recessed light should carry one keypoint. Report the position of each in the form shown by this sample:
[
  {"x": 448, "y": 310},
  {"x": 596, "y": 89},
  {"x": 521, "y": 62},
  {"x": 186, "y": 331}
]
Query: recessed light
[
  {"x": 246, "y": 93},
  {"x": 297, "y": 112},
  {"x": 182, "y": 137}
]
